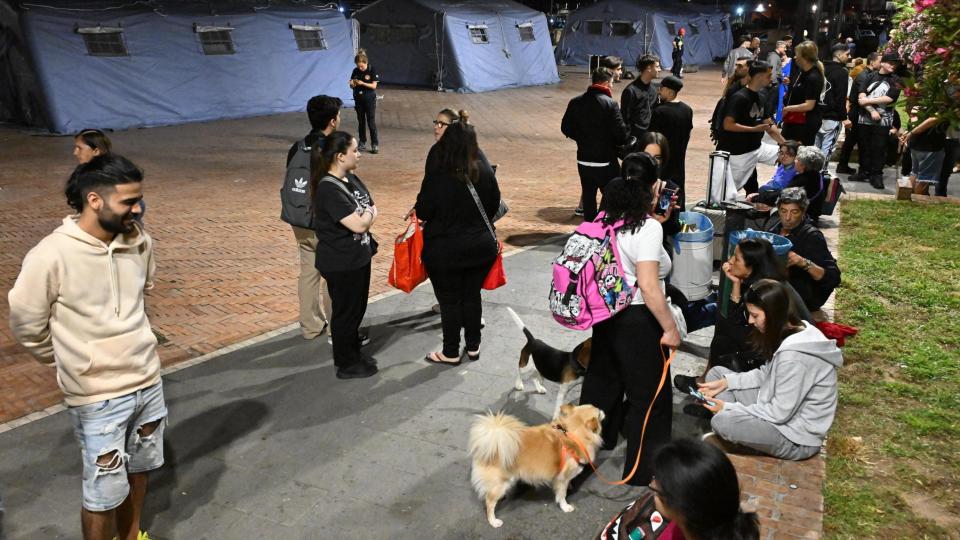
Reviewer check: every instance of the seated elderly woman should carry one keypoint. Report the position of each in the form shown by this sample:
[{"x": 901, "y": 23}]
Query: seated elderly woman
[
  {"x": 784, "y": 408},
  {"x": 806, "y": 174},
  {"x": 812, "y": 270}
]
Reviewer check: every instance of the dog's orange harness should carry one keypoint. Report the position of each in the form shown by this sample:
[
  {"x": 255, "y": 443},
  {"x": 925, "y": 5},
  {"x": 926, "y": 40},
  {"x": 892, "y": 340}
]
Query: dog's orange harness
[
  {"x": 565, "y": 452},
  {"x": 643, "y": 431}
]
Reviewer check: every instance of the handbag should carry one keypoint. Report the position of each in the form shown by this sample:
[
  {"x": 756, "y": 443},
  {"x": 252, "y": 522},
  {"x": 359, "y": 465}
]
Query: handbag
[
  {"x": 496, "y": 277},
  {"x": 501, "y": 211},
  {"x": 407, "y": 270},
  {"x": 796, "y": 118}
]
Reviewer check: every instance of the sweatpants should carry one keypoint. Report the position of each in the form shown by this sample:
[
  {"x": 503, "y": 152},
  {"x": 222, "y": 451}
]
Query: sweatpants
[
  {"x": 314, "y": 299},
  {"x": 366, "y": 106},
  {"x": 826, "y": 139},
  {"x": 458, "y": 293},
  {"x": 626, "y": 360},
  {"x": 741, "y": 427},
  {"x": 873, "y": 150},
  {"x": 348, "y": 294},
  {"x": 593, "y": 179}
]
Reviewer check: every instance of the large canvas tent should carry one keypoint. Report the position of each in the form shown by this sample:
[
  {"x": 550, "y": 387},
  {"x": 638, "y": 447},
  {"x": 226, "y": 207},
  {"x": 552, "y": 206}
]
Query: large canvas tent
[
  {"x": 465, "y": 46},
  {"x": 113, "y": 65},
  {"x": 630, "y": 28}
]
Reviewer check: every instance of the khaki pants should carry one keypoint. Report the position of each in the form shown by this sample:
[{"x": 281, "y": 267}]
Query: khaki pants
[{"x": 315, "y": 306}]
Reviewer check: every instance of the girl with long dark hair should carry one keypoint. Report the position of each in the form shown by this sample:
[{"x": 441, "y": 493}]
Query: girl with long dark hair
[
  {"x": 696, "y": 493},
  {"x": 784, "y": 408},
  {"x": 343, "y": 213},
  {"x": 458, "y": 199},
  {"x": 629, "y": 349}
]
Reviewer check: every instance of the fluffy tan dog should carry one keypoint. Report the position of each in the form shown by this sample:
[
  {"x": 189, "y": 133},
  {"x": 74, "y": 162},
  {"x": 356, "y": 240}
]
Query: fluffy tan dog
[{"x": 505, "y": 450}]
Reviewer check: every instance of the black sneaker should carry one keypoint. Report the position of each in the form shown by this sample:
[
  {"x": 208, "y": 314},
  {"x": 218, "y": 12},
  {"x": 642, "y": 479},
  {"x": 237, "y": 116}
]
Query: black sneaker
[
  {"x": 876, "y": 182},
  {"x": 375, "y": 149},
  {"x": 684, "y": 383},
  {"x": 845, "y": 169},
  {"x": 358, "y": 371},
  {"x": 361, "y": 147},
  {"x": 364, "y": 340},
  {"x": 855, "y": 177},
  {"x": 578, "y": 211}
]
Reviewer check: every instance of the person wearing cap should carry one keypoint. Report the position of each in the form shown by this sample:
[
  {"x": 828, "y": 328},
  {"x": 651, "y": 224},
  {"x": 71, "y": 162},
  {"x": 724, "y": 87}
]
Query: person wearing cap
[
  {"x": 743, "y": 51},
  {"x": 878, "y": 94},
  {"x": 677, "y": 68},
  {"x": 833, "y": 105},
  {"x": 674, "y": 119}
]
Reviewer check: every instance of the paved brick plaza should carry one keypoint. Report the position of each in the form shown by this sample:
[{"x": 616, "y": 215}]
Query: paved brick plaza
[{"x": 227, "y": 265}]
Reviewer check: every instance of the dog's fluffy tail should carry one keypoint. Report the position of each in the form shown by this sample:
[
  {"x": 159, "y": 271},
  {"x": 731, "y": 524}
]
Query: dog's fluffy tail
[
  {"x": 520, "y": 324},
  {"x": 495, "y": 439}
]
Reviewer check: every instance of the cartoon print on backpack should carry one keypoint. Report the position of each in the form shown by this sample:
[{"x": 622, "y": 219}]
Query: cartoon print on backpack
[{"x": 578, "y": 251}]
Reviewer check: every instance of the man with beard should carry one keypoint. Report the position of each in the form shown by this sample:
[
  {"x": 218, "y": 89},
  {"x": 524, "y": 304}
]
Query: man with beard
[
  {"x": 593, "y": 120},
  {"x": 78, "y": 305}
]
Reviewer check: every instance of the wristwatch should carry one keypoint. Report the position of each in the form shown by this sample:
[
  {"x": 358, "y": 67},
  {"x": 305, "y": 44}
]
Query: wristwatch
[{"x": 807, "y": 264}]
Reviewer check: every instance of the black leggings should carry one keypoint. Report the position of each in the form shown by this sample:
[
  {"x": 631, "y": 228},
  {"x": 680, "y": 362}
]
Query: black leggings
[
  {"x": 366, "y": 106},
  {"x": 458, "y": 293},
  {"x": 626, "y": 359}
]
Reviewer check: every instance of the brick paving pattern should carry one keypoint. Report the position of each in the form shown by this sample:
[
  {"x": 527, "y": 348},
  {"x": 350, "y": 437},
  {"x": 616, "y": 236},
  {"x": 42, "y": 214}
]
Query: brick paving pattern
[{"x": 227, "y": 264}]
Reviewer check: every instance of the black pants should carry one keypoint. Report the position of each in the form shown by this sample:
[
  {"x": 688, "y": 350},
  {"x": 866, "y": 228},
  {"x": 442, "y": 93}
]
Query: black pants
[
  {"x": 366, "y": 106},
  {"x": 626, "y": 360},
  {"x": 752, "y": 185},
  {"x": 677, "y": 65},
  {"x": 951, "y": 153},
  {"x": 591, "y": 180},
  {"x": 806, "y": 133},
  {"x": 348, "y": 296},
  {"x": 458, "y": 293},
  {"x": 848, "y": 143},
  {"x": 873, "y": 150}
]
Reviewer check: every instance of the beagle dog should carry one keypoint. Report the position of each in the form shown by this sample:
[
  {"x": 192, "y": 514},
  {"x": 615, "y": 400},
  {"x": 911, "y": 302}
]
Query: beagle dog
[{"x": 564, "y": 367}]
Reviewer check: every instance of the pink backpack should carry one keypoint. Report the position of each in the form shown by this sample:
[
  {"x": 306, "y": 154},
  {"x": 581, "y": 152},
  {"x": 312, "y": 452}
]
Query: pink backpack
[{"x": 588, "y": 284}]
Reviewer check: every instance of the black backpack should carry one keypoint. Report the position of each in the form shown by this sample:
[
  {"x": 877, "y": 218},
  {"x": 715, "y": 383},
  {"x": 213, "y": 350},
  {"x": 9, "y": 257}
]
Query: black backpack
[
  {"x": 716, "y": 120},
  {"x": 295, "y": 206}
]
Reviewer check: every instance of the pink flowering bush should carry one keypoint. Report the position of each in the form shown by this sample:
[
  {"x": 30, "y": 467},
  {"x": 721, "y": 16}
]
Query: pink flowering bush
[{"x": 927, "y": 38}]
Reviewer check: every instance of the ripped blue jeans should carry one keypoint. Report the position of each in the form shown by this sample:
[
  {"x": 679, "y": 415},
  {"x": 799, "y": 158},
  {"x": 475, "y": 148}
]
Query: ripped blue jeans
[{"x": 111, "y": 444}]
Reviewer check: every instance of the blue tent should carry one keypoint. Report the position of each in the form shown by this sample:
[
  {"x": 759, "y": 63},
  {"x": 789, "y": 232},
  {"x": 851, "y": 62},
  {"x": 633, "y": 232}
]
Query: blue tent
[
  {"x": 630, "y": 28},
  {"x": 465, "y": 46},
  {"x": 149, "y": 64}
]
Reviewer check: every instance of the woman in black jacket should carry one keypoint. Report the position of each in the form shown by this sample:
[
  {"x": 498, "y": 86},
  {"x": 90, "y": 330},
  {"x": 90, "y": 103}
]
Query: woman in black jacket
[{"x": 459, "y": 245}]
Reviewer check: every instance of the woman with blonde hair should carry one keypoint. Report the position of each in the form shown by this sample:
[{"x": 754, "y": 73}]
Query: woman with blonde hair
[
  {"x": 801, "y": 118},
  {"x": 364, "y": 80}
]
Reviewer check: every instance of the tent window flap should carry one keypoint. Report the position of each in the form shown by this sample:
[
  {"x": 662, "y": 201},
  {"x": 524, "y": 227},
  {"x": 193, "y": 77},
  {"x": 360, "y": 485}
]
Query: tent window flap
[
  {"x": 671, "y": 27},
  {"x": 694, "y": 29},
  {"x": 215, "y": 39},
  {"x": 309, "y": 38},
  {"x": 526, "y": 32},
  {"x": 622, "y": 28},
  {"x": 595, "y": 27},
  {"x": 103, "y": 41},
  {"x": 478, "y": 33}
]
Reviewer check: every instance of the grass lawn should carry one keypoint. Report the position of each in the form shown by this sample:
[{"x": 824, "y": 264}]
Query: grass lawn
[{"x": 893, "y": 463}]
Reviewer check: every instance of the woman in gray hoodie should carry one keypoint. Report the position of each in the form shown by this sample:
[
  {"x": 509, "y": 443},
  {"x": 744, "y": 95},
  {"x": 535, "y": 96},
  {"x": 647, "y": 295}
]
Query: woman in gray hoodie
[{"x": 785, "y": 407}]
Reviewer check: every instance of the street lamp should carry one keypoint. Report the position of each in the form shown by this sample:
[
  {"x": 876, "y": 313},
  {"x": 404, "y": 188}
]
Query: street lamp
[
  {"x": 760, "y": 8},
  {"x": 813, "y": 8},
  {"x": 739, "y": 10}
]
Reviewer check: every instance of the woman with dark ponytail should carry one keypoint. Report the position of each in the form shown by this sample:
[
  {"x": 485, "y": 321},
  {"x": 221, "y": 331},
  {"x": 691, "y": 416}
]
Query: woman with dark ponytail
[
  {"x": 694, "y": 495},
  {"x": 627, "y": 357},
  {"x": 343, "y": 212}
]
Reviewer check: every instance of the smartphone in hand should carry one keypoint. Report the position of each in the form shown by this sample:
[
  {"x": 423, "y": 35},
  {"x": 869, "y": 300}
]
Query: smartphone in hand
[
  {"x": 665, "y": 201},
  {"x": 698, "y": 395}
]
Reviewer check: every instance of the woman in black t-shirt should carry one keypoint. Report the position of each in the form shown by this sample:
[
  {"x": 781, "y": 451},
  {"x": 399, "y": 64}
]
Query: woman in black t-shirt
[
  {"x": 801, "y": 118},
  {"x": 364, "y": 81},
  {"x": 458, "y": 246},
  {"x": 343, "y": 212}
]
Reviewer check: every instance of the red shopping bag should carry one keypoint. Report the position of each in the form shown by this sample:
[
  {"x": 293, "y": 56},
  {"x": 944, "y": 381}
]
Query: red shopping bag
[
  {"x": 407, "y": 270},
  {"x": 496, "y": 277}
]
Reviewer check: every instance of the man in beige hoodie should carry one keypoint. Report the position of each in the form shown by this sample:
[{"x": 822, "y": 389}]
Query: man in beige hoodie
[{"x": 78, "y": 305}]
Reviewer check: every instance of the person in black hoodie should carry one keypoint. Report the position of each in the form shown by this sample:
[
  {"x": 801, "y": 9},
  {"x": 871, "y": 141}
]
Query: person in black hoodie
[
  {"x": 812, "y": 270},
  {"x": 638, "y": 98},
  {"x": 833, "y": 107},
  {"x": 458, "y": 248},
  {"x": 594, "y": 122}
]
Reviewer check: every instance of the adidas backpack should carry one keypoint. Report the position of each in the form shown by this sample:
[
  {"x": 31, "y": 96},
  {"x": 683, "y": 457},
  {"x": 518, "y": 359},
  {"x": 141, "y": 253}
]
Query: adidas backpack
[
  {"x": 588, "y": 284},
  {"x": 295, "y": 207}
]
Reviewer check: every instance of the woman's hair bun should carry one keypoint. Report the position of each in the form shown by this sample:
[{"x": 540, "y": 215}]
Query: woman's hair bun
[{"x": 464, "y": 116}]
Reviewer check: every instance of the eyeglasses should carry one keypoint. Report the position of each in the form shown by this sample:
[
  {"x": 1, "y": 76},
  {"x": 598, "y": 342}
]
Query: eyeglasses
[{"x": 438, "y": 123}]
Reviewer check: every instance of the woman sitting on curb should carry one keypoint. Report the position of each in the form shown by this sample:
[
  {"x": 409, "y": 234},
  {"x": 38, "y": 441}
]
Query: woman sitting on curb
[{"x": 785, "y": 407}]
